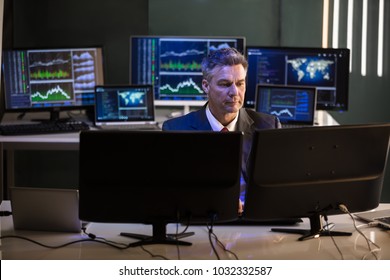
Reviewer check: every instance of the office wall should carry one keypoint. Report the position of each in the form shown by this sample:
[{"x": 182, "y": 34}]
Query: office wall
[
  {"x": 257, "y": 20},
  {"x": 301, "y": 23},
  {"x": 73, "y": 23},
  {"x": 369, "y": 94}
]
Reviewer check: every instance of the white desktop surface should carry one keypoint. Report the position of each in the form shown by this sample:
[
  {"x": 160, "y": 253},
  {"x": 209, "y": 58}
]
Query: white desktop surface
[
  {"x": 247, "y": 242},
  {"x": 40, "y": 140}
]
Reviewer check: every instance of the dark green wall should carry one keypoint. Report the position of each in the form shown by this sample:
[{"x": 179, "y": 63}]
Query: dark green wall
[
  {"x": 78, "y": 23},
  {"x": 257, "y": 20},
  {"x": 301, "y": 23}
]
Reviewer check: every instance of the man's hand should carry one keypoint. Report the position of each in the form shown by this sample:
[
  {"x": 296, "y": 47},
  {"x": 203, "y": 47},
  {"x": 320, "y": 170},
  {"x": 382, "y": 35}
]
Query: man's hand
[{"x": 240, "y": 207}]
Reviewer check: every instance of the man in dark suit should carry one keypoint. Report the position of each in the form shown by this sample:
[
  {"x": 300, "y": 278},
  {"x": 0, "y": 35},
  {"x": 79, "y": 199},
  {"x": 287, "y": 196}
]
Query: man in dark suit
[{"x": 224, "y": 82}]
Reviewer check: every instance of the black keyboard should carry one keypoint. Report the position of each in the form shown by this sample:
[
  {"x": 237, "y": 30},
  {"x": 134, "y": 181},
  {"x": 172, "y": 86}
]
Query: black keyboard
[{"x": 43, "y": 128}]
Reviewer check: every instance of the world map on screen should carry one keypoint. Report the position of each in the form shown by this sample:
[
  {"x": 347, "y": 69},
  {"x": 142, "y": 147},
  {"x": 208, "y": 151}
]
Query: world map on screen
[
  {"x": 310, "y": 70},
  {"x": 131, "y": 99}
]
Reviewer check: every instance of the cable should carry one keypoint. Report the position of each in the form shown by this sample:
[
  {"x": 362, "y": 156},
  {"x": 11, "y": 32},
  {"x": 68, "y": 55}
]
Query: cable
[
  {"x": 210, "y": 231},
  {"x": 224, "y": 247},
  {"x": 331, "y": 236},
  {"x": 151, "y": 254},
  {"x": 177, "y": 238},
  {"x": 65, "y": 244},
  {"x": 177, "y": 234},
  {"x": 212, "y": 234},
  {"x": 344, "y": 209},
  {"x": 116, "y": 244},
  {"x": 93, "y": 236}
]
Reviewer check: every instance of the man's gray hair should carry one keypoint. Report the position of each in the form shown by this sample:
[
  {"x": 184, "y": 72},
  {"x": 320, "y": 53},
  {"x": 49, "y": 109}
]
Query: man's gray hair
[{"x": 222, "y": 57}]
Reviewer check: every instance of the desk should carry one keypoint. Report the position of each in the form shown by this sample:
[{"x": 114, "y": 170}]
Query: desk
[
  {"x": 65, "y": 141},
  {"x": 247, "y": 242}
]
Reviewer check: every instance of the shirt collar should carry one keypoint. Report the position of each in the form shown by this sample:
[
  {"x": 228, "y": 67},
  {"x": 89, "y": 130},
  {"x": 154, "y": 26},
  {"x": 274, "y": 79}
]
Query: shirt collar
[{"x": 216, "y": 125}]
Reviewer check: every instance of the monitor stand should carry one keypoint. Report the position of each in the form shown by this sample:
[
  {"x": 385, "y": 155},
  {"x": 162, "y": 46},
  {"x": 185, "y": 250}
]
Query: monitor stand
[
  {"x": 159, "y": 236},
  {"x": 54, "y": 117},
  {"x": 316, "y": 229}
]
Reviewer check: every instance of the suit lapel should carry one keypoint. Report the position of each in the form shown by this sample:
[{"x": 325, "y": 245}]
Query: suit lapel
[
  {"x": 199, "y": 120},
  {"x": 244, "y": 122}
]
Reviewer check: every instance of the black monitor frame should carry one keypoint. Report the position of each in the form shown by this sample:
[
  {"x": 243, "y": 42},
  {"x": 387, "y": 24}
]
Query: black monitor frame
[
  {"x": 270, "y": 65},
  {"x": 310, "y": 172},
  {"x": 71, "y": 71},
  {"x": 150, "y": 63},
  {"x": 157, "y": 177}
]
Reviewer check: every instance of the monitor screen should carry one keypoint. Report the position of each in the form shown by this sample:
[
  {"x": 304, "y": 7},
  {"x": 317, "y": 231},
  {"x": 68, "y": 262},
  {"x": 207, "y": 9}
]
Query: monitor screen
[
  {"x": 155, "y": 177},
  {"x": 291, "y": 104},
  {"x": 309, "y": 172},
  {"x": 51, "y": 79},
  {"x": 325, "y": 69},
  {"x": 119, "y": 104},
  {"x": 173, "y": 65}
]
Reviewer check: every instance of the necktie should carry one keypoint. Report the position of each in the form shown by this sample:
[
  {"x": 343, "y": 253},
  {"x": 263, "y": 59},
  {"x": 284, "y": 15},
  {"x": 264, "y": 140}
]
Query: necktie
[{"x": 224, "y": 129}]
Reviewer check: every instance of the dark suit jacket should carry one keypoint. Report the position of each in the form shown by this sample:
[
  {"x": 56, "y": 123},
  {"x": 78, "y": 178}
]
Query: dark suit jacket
[{"x": 248, "y": 122}]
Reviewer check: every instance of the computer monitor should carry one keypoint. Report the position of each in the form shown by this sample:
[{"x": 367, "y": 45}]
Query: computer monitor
[
  {"x": 293, "y": 105},
  {"x": 310, "y": 172},
  {"x": 124, "y": 104},
  {"x": 157, "y": 177},
  {"x": 325, "y": 69},
  {"x": 51, "y": 80},
  {"x": 173, "y": 65}
]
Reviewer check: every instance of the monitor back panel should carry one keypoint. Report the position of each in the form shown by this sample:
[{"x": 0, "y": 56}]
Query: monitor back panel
[
  {"x": 130, "y": 171},
  {"x": 316, "y": 167}
]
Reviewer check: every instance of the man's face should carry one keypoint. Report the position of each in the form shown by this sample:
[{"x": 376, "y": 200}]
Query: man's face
[{"x": 226, "y": 90}]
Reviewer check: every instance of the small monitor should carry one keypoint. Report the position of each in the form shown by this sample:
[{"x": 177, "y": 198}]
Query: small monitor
[
  {"x": 325, "y": 69},
  {"x": 52, "y": 80},
  {"x": 172, "y": 64},
  {"x": 295, "y": 105},
  {"x": 121, "y": 104},
  {"x": 309, "y": 172},
  {"x": 157, "y": 177}
]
